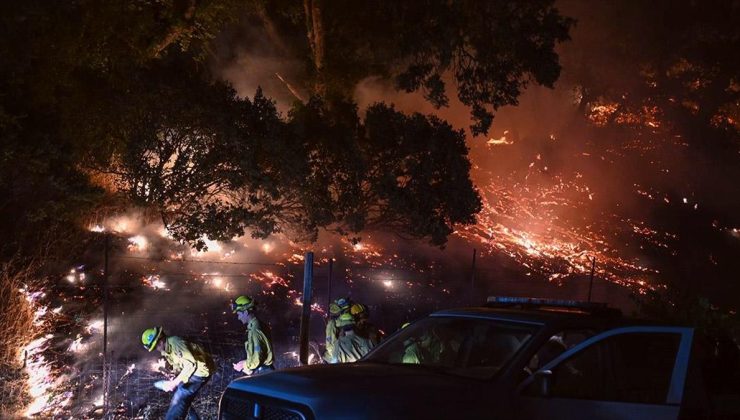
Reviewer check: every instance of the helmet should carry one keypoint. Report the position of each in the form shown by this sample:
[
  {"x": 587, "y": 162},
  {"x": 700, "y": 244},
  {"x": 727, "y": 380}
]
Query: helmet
[
  {"x": 150, "y": 336},
  {"x": 405, "y": 324},
  {"x": 358, "y": 309},
  {"x": 345, "y": 320},
  {"x": 242, "y": 303},
  {"x": 334, "y": 309},
  {"x": 343, "y": 304}
]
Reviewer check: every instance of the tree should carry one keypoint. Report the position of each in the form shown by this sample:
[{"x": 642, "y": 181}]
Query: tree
[
  {"x": 64, "y": 68},
  {"x": 215, "y": 165},
  {"x": 124, "y": 89}
]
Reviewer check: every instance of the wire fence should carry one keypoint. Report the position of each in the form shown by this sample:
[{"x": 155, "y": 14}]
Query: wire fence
[{"x": 190, "y": 298}]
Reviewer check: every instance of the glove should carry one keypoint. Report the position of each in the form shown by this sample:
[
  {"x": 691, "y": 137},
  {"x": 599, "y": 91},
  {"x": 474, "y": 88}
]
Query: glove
[{"x": 165, "y": 386}]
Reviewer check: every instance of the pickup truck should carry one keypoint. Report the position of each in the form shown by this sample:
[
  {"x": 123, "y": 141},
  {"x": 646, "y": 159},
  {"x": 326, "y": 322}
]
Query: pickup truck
[{"x": 515, "y": 358}]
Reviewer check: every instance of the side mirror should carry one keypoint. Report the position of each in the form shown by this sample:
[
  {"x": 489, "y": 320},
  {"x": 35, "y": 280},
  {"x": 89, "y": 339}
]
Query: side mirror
[{"x": 543, "y": 382}]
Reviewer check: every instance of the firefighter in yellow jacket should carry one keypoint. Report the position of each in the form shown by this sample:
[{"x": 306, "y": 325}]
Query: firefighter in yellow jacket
[
  {"x": 259, "y": 350},
  {"x": 350, "y": 347},
  {"x": 192, "y": 365},
  {"x": 336, "y": 308}
]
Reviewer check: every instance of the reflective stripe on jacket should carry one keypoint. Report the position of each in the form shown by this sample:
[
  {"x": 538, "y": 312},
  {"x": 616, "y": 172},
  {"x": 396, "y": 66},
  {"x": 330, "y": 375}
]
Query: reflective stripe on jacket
[
  {"x": 331, "y": 338},
  {"x": 187, "y": 359}
]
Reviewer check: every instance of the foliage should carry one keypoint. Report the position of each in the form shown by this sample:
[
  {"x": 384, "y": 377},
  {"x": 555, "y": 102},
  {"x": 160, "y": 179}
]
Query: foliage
[
  {"x": 124, "y": 89},
  {"x": 16, "y": 317},
  {"x": 216, "y": 165},
  {"x": 491, "y": 50},
  {"x": 676, "y": 56},
  {"x": 62, "y": 64}
]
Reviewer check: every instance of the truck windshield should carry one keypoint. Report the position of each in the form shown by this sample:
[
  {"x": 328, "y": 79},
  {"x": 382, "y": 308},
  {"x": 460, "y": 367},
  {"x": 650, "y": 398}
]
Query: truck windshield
[{"x": 476, "y": 348}]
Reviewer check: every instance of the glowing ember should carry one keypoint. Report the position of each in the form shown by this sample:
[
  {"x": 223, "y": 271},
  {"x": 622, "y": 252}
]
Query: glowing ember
[
  {"x": 269, "y": 279},
  {"x": 137, "y": 243},
  {"x": 526, "y": 223},
  {"x": 97, "y": 228},
  {"x": 42, "y": 380},
  {"x": 267, "y": 247},
  {"x": 154, "y": 282},
  {"x": 500, "y": 141}
]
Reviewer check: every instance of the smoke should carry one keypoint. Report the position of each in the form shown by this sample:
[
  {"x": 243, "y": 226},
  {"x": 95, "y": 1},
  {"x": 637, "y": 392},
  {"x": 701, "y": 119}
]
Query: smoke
[{"x": 251, "y": 56}]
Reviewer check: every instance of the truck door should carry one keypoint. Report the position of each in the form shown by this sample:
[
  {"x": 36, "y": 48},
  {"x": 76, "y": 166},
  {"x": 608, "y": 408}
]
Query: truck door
[{"x": 624, "y": 373}]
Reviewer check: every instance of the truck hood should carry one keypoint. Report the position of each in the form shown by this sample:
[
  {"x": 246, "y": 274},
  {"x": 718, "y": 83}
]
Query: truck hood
[{"x": 369, "y": 390}]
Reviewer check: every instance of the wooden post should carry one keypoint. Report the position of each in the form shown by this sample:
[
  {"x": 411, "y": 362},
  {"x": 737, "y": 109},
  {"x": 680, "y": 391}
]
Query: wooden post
[
  {"x": 472, "y": 279},
  {"x": 329, "y": 279},
  {"x": 591, "y": 280},
  {"x": 306, "y": 313},
  {"x": 106, "y": 373}
]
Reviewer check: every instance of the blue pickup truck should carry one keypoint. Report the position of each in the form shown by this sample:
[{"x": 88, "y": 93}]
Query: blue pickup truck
[{"x": 510, "y": 359}]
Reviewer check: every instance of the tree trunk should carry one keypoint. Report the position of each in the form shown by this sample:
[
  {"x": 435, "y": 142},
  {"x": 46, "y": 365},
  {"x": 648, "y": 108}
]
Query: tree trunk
[{"x": 315, "y": 28}]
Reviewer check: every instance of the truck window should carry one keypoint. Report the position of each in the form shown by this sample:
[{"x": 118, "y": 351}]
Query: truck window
[
  {"x": 555, "y": 345},
  {"x": 461, "y": 346},
  {"x": 634, "y": 367}
]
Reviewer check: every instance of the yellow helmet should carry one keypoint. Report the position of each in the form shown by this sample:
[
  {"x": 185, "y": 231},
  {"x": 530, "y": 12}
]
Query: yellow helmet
[
  {"x": 242, "y": 303},
  {"x": 150, "y": 336},
  {"x": 358, "y": 309},
  {"x": 334, "y": 309},
  {"x": 345, "y": 320},
  {"x": 405, "y": 324}
]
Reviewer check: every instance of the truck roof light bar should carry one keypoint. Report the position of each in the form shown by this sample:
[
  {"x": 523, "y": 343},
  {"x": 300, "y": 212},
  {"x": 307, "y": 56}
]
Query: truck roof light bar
[
  {"x": 528, "y": 301},
  {"x": 593, "y": 308}
]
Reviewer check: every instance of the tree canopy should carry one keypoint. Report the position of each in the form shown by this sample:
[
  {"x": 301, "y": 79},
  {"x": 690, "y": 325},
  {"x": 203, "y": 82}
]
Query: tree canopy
[
  {"x": 490, "y": 50},
  {"x": 113, "y": 100}
]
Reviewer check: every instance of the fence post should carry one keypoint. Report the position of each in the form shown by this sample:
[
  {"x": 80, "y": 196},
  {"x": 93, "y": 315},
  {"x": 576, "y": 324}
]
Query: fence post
[
  {"x": 591, "y": 280},
  {"x": 306, "y": 313},
  {"x": 472, "y": 279},
  {"x": 328, "y": 289},
  {"x": 105, "y": 328}
]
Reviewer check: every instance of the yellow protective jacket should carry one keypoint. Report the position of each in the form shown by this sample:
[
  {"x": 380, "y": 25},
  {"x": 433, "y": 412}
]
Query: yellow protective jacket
[
  {"x": 187, "y": 359},
  {"x": 422, "y": 352},
  {"x": 258, "y": 347},
  {"x": 413, "y": 355},
  {"x": 350, "y": 348},
  {"x": 331, "y": 338}
]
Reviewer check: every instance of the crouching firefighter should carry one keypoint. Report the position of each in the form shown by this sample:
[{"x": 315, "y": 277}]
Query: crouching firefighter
[
  {"x": 259, "y": 350},
  {"x": 189, "y": 361}
]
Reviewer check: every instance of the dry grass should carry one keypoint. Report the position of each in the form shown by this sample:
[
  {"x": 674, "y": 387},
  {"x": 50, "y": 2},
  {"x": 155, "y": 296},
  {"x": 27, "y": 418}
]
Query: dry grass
[{"x": 17, "y": 329}]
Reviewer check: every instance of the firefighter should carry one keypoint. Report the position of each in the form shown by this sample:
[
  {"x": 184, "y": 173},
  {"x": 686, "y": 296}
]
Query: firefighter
[
  {"x": 361, "y": 314},
  {"x": 259, "y": 350},
  {"x": 192, "y": 365},
  {"x": 336, "y": 308},
  {"x": 424, "y": 349},
  {"x": 331, "y": 330},
  {"x": 350, "y": 347}
]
